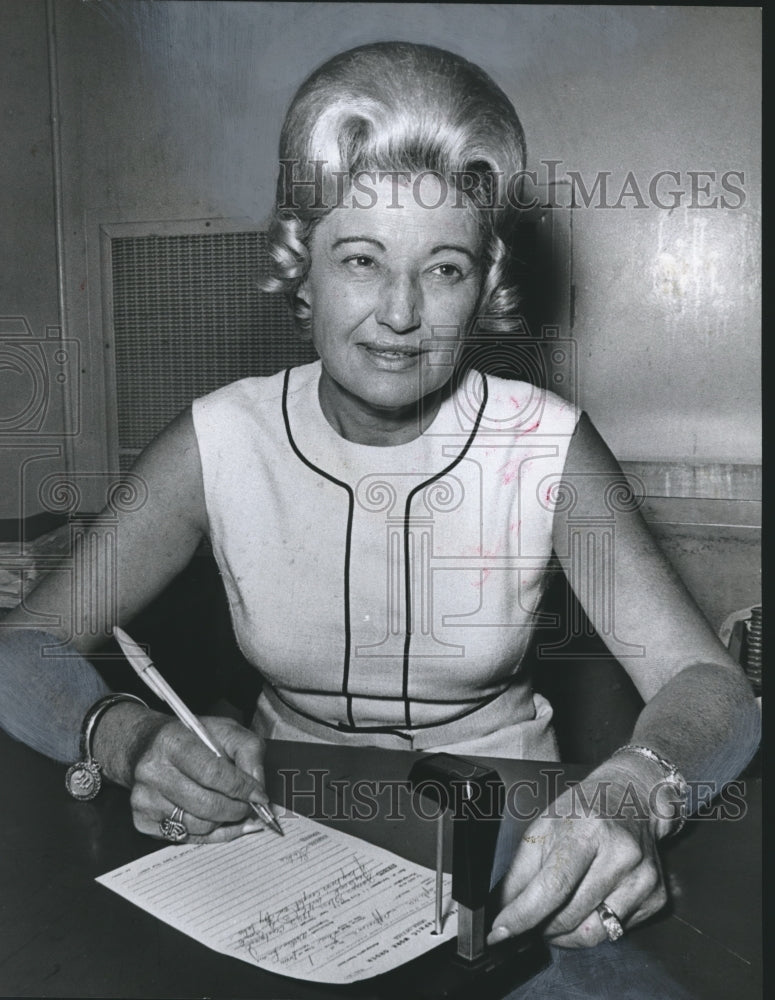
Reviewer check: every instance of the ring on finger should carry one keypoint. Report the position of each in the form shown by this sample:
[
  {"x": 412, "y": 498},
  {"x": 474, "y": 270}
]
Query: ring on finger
[
  {"x": 611, "y": 923},
  {"x": 173, "y": 828}
]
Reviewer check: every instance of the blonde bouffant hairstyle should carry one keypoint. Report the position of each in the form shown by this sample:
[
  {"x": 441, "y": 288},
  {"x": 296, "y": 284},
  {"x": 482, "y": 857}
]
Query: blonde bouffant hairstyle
[{"x": 398, "y": 106}]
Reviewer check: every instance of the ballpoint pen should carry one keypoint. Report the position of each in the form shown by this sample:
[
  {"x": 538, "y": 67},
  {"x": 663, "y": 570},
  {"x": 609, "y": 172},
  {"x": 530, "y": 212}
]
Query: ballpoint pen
[{"x": 146, "y": 671}]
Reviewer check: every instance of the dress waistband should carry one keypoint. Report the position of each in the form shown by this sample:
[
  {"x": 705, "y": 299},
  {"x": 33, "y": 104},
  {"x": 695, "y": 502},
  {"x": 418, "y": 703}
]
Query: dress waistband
[{"x": 515, "y": 708}]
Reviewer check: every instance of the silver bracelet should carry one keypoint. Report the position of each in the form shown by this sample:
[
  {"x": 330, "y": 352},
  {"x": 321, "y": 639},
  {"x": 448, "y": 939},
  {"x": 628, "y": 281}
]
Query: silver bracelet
[
  {"x": 83, "y": 779},
  {"x": 673, "y": 777}
]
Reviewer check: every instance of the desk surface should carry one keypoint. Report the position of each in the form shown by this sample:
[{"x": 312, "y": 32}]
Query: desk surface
[{"x": 63, "y": 935}]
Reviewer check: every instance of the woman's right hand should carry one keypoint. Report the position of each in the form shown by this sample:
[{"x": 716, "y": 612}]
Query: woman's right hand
[{"x": 166, "y": 766}]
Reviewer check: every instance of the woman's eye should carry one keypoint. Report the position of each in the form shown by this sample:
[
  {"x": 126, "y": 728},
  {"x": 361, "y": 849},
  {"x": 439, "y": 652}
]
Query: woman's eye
[
  {"x": 447, "y": 270},
  {"x": 360, "y": 260}
]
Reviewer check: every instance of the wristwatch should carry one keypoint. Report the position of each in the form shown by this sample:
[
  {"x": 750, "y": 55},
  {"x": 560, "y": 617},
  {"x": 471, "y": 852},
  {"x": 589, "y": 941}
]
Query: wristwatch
[{"x": 84, "y": 779}]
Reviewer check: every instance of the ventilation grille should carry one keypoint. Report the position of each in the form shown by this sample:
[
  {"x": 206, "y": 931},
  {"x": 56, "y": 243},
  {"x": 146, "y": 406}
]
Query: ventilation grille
[{"x": 188, "y": 317}]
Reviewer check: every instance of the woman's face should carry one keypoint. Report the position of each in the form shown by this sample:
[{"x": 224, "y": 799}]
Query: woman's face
[{"x": 392, "y": 289}]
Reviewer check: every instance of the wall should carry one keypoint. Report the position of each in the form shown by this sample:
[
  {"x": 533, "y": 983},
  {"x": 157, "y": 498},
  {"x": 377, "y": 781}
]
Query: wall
[
  {"x": 28, "y": 275},
  {"x": 179, "y": 106}
]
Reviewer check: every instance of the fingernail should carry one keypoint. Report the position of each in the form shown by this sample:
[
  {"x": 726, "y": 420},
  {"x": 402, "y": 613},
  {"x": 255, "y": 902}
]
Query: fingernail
[
  {"x": 253, "y": 826},
  {"x": 498, "y": 934}
]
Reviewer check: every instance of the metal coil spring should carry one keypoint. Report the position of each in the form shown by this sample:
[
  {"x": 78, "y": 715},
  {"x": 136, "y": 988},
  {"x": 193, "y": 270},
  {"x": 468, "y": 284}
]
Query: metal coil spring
[{"x": 753, "y": 659}]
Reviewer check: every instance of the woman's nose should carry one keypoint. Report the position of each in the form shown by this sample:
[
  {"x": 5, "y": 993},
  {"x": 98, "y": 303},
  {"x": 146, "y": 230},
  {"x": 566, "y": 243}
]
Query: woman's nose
[{"x": 399, "y": 305}]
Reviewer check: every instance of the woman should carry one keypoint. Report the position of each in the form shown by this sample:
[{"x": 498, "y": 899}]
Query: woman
[{"x": 383, "y": 518}]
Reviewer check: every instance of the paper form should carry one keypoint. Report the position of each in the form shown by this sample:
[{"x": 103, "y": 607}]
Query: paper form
[{"x": 316, "y": 904}]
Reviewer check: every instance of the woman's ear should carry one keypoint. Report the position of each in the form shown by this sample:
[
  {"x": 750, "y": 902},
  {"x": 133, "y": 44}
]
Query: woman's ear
[
  {"x": 302, "y": 308},
  {"x": 302, "y": 297}
]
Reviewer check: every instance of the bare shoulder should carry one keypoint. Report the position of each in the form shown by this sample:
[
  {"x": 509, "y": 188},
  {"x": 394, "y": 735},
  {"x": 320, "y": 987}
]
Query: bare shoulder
[
  {"x": 628, "y": 588},
  {"x": 592, "y": 473},
  {"x": 172, "y": 472},
  {"x": 588, "y": 452},
  {"x": 153, "y": 542}
]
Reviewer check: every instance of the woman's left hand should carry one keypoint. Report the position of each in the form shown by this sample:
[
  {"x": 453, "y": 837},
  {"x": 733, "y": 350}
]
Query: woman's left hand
[{"x": 581, "y": 852}]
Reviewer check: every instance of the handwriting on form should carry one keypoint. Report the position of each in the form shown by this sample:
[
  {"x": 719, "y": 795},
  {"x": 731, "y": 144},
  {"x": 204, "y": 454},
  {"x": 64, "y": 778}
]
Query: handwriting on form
[{"x": 317, "y": 904}]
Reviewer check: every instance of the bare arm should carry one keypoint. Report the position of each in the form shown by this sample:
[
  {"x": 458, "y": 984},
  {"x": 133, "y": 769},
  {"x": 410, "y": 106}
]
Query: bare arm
[
  {"x": 163, "y": 764},
  {"x": 700, "y": 712},
  {"x": 700, "y": 715},
  {"x": 154, "y": 543}
]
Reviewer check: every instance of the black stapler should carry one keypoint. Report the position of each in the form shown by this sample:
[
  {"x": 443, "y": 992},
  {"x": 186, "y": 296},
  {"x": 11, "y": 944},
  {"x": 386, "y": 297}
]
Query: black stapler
[{"x": 472, "y": 797}]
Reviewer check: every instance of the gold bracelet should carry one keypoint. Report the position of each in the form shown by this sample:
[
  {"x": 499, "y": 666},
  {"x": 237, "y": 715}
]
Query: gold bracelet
[
  {"x": 84, "y": 779},
  {"x": 673, "y": 777}
]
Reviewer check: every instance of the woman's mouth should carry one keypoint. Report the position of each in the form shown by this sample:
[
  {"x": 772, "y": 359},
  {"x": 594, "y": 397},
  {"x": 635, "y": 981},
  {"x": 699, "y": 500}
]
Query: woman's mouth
[
  {"x": 392, "y": 350},
  {"x": 392, "y": 357}
]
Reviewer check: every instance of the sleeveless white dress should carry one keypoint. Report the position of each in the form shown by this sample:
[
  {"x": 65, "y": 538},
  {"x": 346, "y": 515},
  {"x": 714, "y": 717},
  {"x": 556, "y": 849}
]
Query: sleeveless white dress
[{"x": 387, "y": 594}]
